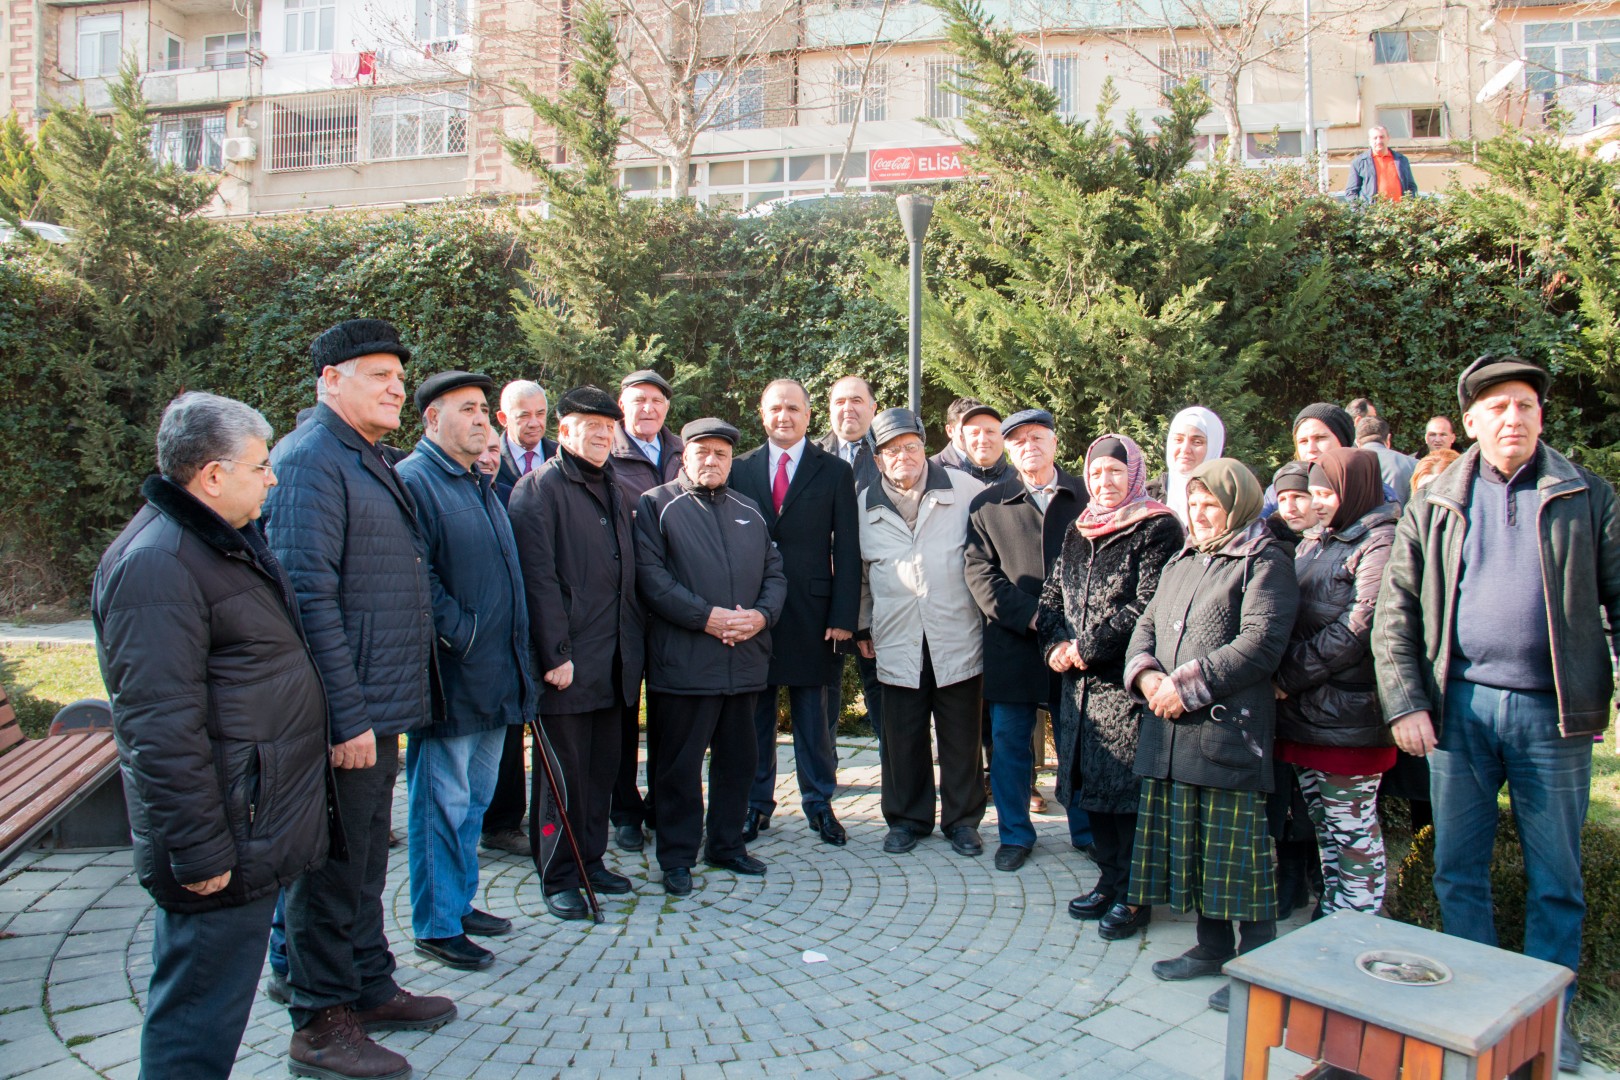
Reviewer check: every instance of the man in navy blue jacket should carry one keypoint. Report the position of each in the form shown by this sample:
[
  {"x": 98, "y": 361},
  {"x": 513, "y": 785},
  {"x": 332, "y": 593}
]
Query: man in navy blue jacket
[{"x": 484, "y": 687}]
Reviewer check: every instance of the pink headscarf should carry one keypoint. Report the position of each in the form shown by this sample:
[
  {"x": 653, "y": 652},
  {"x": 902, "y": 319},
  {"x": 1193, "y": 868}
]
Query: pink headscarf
[{"x": 1136, "y": 505}]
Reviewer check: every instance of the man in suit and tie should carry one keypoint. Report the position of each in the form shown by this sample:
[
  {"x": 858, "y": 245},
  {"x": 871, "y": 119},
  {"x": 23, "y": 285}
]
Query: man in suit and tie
[
  {"x": 524, "y": 446},
  {"x": 808, "y": 496}
]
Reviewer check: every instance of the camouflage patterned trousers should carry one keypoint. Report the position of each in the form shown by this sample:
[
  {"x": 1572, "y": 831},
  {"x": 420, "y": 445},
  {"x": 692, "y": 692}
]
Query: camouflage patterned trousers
[{"x": 1345, "y": 811}]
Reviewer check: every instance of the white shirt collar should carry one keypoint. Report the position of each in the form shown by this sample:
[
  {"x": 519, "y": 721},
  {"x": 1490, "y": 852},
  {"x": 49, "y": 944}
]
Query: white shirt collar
[{"x": 795, "y": 454}]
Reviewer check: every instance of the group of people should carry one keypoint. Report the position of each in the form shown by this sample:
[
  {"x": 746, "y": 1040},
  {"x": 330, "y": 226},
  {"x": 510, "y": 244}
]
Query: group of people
[{"x": 1217, "y": 659}]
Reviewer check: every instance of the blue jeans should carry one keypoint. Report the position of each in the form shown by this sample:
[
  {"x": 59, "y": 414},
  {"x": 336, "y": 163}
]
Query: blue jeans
[
  {"x": 205, "y": 973},
  {"x": 449, "y": 783},
  {"x": 1012, "y": 764},
  {"x": 278, "y": 936},
  {"x": 1491, "y": 737},
  {"x": 815, "y": 719}
]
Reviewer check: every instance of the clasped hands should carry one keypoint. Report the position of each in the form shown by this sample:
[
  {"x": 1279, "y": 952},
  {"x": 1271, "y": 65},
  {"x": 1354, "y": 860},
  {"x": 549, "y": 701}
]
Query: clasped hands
[
  {"x": 734, "y": 626},
  {"x": 1065, "y": 657},
  {"x": 1162, "y": 697}
]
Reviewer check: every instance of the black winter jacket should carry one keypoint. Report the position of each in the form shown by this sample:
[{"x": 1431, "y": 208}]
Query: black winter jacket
[
  {"x": 635, "y": 474},
  {"x": 217, "y": 706},
  {"x": 345, "y": 529},
  {"x": 698, "y": 549},
  {"x": 1327, "y": 671},
  {"x": 1093, "y": 596},
  {"x": 579, "y": 572},
  {"x": 1217, "y": 626}
]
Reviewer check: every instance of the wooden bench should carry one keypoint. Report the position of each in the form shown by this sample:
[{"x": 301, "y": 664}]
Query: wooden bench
[{"x": 64, "y": 790}]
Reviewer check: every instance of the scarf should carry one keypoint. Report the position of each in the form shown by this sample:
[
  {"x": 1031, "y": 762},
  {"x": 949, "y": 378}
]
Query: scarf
[
  {"x": 1239, "y": 494},
  {"x": 1094, "y": 521},
  {"x": 1355, "y": 477},
  {"x": 1214, "y": 432}
]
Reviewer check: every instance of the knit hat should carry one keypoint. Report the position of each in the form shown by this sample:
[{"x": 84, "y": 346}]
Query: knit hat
[
  {"x": 1337, "y": 420},
  {"x": 356, "y": 337},
  {"x": 1294, "y": 476}
]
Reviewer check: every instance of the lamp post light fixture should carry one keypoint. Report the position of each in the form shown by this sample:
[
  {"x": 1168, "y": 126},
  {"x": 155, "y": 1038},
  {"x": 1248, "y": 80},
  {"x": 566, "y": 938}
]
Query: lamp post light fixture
[{"x": 915, "y": 212}]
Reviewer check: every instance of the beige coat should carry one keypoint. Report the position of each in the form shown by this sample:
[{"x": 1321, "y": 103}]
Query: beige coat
[{"x": 914, "y": 583}]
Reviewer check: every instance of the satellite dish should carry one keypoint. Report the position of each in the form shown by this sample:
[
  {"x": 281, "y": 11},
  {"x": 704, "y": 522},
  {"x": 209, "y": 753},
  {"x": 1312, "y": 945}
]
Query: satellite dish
[{"x": 1499, "y": 82}]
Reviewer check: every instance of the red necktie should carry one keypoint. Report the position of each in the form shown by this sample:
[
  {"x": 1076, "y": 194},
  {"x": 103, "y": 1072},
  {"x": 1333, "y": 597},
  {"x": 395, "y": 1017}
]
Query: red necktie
[
  {"x": 780, "y": 484},
  {"x": 528, "y": 461}
]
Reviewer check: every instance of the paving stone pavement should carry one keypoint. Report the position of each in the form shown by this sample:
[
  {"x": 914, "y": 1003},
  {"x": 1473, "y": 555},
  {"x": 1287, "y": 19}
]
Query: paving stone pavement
[{"x": 937, "y": 965}]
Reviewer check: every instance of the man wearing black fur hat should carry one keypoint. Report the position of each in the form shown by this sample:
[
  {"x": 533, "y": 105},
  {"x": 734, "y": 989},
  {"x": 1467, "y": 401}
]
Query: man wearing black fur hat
[
  {"x": 345, "y": 529},
  {"x": 572, "y": 521}
]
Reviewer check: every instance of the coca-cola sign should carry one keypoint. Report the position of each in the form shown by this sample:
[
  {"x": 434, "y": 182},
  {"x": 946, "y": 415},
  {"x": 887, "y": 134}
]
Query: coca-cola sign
[{"x": 896, "y": 164}]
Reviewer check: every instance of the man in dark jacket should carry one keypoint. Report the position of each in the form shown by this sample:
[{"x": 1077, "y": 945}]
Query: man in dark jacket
[
  {"x": 976, "y": 446},
  {"x": 1380, "y": 173},
  {"x": 220, "y": 723},
  {"x": 572, "y": 523},
  {"x": 646, "y": 454},
  {"x": 1015, "y": 533},
  {"x": 484, "y": 686},
  {"x": 712, "y": 583},
  {"x": 345, "y": 529},
  {"x": 808, "y": 497},
  {"x": 1493, "y": 659}
]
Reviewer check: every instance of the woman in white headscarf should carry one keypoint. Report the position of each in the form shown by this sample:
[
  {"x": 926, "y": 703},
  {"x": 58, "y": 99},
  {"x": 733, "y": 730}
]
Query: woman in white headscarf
[{"x": 1196, "y": 436}]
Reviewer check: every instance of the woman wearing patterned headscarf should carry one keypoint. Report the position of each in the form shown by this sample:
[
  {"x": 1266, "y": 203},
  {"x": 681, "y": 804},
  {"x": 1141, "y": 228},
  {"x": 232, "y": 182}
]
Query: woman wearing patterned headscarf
[
  {"x": 1102, "y": 581},
  {"x": 1201, "y": 662},
  {"x": 1196, "y": 435}
]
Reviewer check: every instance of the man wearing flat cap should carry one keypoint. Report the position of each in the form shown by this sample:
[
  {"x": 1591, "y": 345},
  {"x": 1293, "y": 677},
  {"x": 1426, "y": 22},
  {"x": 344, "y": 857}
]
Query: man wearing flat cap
[
  {"x": 712, "y": 584},
  {"x": 484, "y": 685},
  {"x": 1015, "y": 533},
  {"x": 573, "y": 524},
  {"x": 646, "y": 454},
  {"x": 925, "y": 632},
  {"x": 346, "y": 530},
  {"x": 1493, "y": 659}
]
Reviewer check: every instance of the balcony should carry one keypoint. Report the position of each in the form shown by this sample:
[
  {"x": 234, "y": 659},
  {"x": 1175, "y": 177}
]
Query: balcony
[{"x": 855, "y": 22}]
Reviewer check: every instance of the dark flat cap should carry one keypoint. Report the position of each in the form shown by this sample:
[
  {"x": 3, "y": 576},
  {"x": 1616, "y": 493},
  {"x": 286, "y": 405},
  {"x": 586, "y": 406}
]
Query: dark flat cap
[
  {"x": 591, "y": 400},
  {"x": 890, "y": 424},
  {"x": 1493, "y": 368},
  {"x": 440, "y": 383},
  {"x": 709, "y": 427},
  {"x": 1337, "y": 420},
  {"x": 1294, "y": 476},
  {"x": 648, "y": 377},
  {"x": 356, "y": 337},
  {"x": 1027, "y": 416}
]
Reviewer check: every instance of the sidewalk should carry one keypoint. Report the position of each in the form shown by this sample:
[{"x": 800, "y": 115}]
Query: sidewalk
[
  {"x": 936, "y": 965},
  {"x": 79, "y": 632}
]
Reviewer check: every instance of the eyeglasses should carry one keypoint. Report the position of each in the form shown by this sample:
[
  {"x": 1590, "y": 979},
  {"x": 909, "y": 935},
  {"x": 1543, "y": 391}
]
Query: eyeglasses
[
  {"x": 266, "y": 471},
  {"x": 914, "y": 449}
]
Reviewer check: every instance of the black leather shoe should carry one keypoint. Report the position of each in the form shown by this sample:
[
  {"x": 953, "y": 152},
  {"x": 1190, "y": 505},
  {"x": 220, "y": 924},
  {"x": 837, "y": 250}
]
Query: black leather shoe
[
  {"x": 756, "y": 822},
  {"x": 606, "y": 881},
  {"x": 277, "y": 990},
  {"x": 1093, "y": 905},
  {"x": 628, "y": 837},
  {"x": 1191, "y": 964},
  {"x": 824, "y": 825},
  {"x": 1221, "y": 1000},
  {"x": 1010, "y": 856},
  {"x": 1121, "y": 922},
  {"x": 483, "y": 924},
  {"x": 900, "y": 840},
  {"x": 456, "y": 952},
  {"x": 568, "y": 904},
  {"x": 742, "y": 864},
  {"x": 965, "y": 841},
  {"x": 678, "y": 882},
  {"x": 1569, "y": 1048}
]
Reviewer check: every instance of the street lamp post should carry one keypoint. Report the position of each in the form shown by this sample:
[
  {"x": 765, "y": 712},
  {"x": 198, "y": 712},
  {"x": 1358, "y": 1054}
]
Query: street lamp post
[{"x": 915, "y": 212}]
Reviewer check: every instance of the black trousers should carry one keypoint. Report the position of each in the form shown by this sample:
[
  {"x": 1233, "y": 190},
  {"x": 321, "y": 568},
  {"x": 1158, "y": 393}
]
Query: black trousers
[
  {"x": 1115, "y": 838},
  {"x": 511, "y": 786},
  {"x": 337, "y": 952},
  {"x": 628, "y": 805},
  {"x": 908, "y": 755},
  {"x": 587, "y": 747},
  {"x": 1217, "y": 937},
  {"x": 689, "y": 725}
]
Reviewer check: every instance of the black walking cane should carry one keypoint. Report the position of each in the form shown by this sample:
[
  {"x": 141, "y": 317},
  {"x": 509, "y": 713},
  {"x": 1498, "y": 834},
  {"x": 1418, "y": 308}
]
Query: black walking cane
[{"x": 544, "y": 746}]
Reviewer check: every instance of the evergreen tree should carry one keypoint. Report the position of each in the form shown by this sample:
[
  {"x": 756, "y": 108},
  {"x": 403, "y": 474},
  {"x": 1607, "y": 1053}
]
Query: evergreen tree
[{"x": 22, "y": 185}]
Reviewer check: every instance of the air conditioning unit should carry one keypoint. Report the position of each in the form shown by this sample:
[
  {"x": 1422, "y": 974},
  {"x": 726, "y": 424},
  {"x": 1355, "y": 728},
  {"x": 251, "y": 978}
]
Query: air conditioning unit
[{"x": 240, "y": 149}]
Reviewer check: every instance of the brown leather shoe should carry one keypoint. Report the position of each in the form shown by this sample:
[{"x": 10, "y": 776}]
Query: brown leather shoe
[
  {"x": 334, "y": 1046},
  {"x": 407, "y": 1012}
]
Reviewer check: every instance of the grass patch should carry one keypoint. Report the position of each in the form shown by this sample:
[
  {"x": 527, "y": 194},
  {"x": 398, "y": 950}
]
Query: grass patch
[{"x": 41, "y": 678}]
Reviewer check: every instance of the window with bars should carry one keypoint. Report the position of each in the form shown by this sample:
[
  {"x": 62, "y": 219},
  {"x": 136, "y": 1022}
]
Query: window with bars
[
  {"x": 437, "y": 20},
  {"x": 101, "y": 42},
  {"x": 853, "y": 104},
  {"x": 1181, "y": 64},
  {"x": 322, "y": 131},
  {"x": 310, "y": 25},
  {"x": 944, "y": 103},
  {"x": 193, "y": 142},
  {"x": 425, "y": 125},
  {"x": 227, "y": 50},
  {"x": 731, "y": 102},
  {"x": 1405, "y": 46},
  {"x": 1063, "y": 76},
  {"x": 1572, "y": 65}
]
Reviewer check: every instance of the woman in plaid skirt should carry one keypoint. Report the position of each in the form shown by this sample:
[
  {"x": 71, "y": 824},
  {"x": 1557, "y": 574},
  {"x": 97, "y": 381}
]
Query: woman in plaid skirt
[{"x": 1201, "y": 662}]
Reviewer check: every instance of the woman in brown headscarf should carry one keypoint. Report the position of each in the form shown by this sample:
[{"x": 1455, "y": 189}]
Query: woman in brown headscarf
[{"x": 1330, "y": 727}]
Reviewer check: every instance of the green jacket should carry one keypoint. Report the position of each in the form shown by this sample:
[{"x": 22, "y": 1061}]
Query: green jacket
[{"x": 1580, "y": 571}]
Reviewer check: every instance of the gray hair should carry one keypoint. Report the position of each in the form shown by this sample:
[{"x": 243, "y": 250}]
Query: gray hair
[
  {"x": 521, "y": 390},
  {"x": 198, "y": 428}
]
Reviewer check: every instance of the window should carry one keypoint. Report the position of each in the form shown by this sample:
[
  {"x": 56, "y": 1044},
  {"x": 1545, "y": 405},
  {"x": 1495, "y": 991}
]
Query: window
[
  {"x": 100, "y": 45},
  {"x": 1566, "y": 63},
  {"x": 944, "y": 103},
  {"x": 193, "y": 142},
  {"x": 1183, "y": 64},
  {"x": 426, "y": 125},
  {"x": 437, "y": 20},
  {"x": 1063, "y": 75},
  {"x": 1423, "y": 122},
  {"x": 1274, "y": 144},
  {"x": 310, "y": 25},
  {"x": 1405, "y": 46},
  {"x": 319, "y": 131},
  {"x": 227, "y": 50},
  {"x": 729, "y": 102},
  {"x": 169, "y": 58},
  {"x": 851, "y": 100},
  {"x": 729, "y": 7}
]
